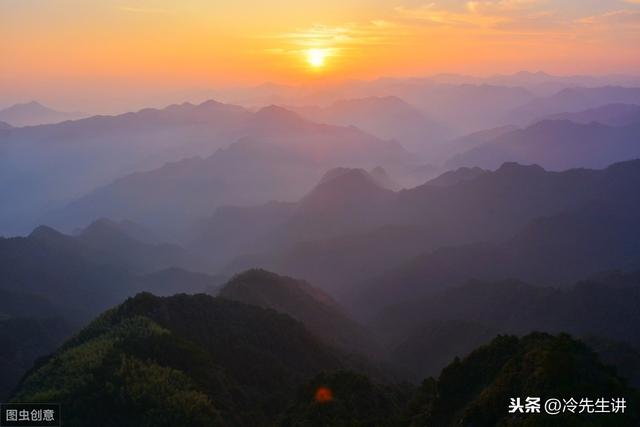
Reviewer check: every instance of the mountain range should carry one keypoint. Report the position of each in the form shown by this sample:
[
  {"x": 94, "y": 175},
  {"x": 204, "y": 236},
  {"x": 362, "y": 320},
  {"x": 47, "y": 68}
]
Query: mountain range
[
  {"x": 78, "y": 276},
  {"x": 609, "y": 114},
  {"x": 279, "y": 159},
  {"x": 363, "y": 231},
  {"x": 387, "y": 117},
  {"x": 200, "y": 360},
  {"x": 571, "y": 100},
  {"x": 557, "y": 145},
  {"x": 461, "y": 106},
  {"x": 453, "y": 321},
  {"x": 477, "y": 390},
  {"x": 556, "y": 250},
  {"x": 399, "y": 252},
  {"x": 46, "y": 166},
  {"x": 184, "y": 359}
]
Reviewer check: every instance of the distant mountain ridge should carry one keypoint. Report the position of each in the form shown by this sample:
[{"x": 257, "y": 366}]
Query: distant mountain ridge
[
  {"x": 387, "y": 117},
  {"x": 342, "y": 201},
  {"x": 280, "y": 158},
  {"x": 80, "y": 275},
  {"x": 556, "y": 250},
  {"x": 472, "y": 140},
  {"x": 557, "y": 145},
  {"x": 175, "y": 280},
  {"x": 33, "y": 113},
  {"x": 571, "y": 100},
  {"x": 335, "y": 247},
  {"x": 610, "y": 115},
  {"x": 454, "y": 321},
  {"x": 462, "y": 106},
  {"x": 51, "y": 164}
]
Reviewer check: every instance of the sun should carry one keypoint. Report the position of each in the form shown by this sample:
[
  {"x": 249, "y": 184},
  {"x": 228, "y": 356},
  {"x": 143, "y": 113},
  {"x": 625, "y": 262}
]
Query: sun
[{"x": 316, "y": 57}]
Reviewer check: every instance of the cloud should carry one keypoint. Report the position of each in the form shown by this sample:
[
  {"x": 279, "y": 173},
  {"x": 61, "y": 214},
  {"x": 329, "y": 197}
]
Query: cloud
[
  {"x": 511, "y": 16},
  {"x": 624, "y": 17},
  {"x": 539, "y": 20},
  {"x": 430, "y": 15},
  {"x": 501, "y": 7},
  {"x": 335, "y": 39}
]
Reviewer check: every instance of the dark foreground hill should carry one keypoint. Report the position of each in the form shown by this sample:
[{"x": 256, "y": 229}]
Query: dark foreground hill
[
  {"x": 476, "y": 391},
  {"x": 182, "y": 360},
  {"x": 346, "y": 399},
  {"x": 204, "y": 361}
]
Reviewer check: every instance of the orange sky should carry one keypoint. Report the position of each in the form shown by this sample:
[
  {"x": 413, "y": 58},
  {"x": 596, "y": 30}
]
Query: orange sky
[{"x": 109, "y": 48}]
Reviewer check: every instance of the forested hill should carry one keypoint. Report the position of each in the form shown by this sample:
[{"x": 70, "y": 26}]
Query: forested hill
[{"x": 196, "y": 360}]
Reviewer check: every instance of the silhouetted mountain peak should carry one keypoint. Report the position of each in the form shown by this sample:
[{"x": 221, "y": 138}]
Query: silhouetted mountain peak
[
  {"x": 568, "y": 93},
  {"x": 209, "y": 107},
  {"x": 480, "y": 383},
  {"x": 32, "y": 106},
  {"x": 32, "y": 113},
  {"x": 297, "y": 298},
  {"x": 382, "y": 178},
  {"x": 185, "y": 106},
  {"x": 558, "y": 144},
  {"x": 342, "y": 184},
  {"x": 532, "y": 74},
  {"x": 614, "y": 114},
  {"x": 516, "y": 169},
  {"x": 340, "y": 202},
  {"x": 555, "y": 125},
  {"x": 455, "y": 176},
  {"x": 44, "y": 232},
  {"x": 344, "y": 173},
  {"x": 375, "y": 102},
  {"x": 213, "y": 106},
  {"x": 378, "y": 170},
  {"x": 103, "y": 228},
  {"x": 274, "y": 118},
  {"x": 629, "y": 170},
  {"x": 265, "y": 286},
  {"x": 202, "y": 349},
  {"x": 210, "y": 104},
  {"x": 275, "y": 113}
]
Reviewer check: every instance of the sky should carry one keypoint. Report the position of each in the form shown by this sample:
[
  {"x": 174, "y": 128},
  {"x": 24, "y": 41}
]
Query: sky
[{"x": 71, "y": 51}]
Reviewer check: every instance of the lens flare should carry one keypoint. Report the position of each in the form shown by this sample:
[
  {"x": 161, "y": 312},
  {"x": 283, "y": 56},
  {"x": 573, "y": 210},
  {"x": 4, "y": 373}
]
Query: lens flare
[{"x": 324, "y": 395}]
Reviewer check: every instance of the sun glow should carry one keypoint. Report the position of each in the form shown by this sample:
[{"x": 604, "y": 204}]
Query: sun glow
[{"x": 316, "y": 57}]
